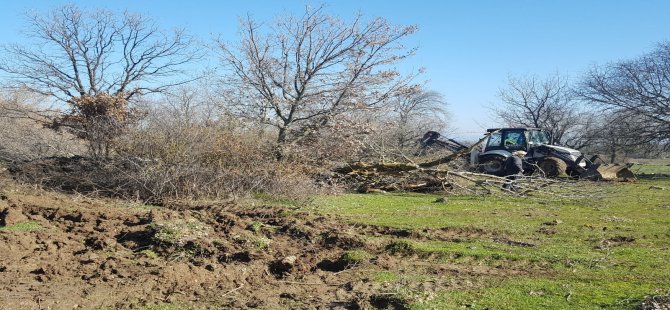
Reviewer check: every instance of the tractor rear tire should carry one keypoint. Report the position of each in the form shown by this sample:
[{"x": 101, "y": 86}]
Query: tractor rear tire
[
  {"x": 494, "y": 165},
  {"x": 553, "y": 167}
]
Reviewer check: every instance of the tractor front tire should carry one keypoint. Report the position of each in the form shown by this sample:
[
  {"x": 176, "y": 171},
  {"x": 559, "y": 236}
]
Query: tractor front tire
[
  {"x": 553, "y": 167},
  {"x": 494, "y": 165}
]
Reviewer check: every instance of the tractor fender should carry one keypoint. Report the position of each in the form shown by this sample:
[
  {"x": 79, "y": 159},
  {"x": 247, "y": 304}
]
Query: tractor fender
[{"x": 502, "y": 153}]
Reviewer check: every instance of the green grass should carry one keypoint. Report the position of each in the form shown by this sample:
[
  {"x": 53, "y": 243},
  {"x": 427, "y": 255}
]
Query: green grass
[
  {"x": 607, "y": 251},
  {"x": 262, "y": 243},
  {"x": 23, "y": 227},
  {"x": 385, "y": 276},
  {"x": 355, "y": 257},
  {"x": 652, "y": 168},
  {"x": 139, "y": 207},
  {"x": 149, "y": 253},
  {"x": 271, "y": 200},
  {"x": 255, "y": 226}
]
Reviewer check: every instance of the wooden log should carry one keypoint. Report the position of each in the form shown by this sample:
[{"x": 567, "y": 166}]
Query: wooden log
[{"x": 364, "y": 168}]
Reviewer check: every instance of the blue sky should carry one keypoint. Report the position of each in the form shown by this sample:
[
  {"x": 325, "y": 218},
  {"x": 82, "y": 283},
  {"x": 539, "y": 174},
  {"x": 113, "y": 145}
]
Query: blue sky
[{"x": 468, "y": 48}]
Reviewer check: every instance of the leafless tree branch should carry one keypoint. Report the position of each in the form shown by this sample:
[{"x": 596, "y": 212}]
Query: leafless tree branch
[
  {"x": 76, "y": 53},
  {"x": 543, "y": 103},
  {"x": 303, "y": 70},
  {"x": 638, "y": 89}
]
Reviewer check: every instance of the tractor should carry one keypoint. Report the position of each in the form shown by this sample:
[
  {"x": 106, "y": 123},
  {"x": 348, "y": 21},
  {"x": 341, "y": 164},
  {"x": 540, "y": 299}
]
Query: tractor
[{"x": 541, "y": 157}]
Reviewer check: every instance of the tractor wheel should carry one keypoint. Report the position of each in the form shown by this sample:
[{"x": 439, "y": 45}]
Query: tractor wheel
[
  {"x": 492, "y": 165},
  {"x": 553, "y": 167}
]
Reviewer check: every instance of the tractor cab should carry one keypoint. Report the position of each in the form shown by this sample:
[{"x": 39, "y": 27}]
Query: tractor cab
[{"x": 515, "y": 139}]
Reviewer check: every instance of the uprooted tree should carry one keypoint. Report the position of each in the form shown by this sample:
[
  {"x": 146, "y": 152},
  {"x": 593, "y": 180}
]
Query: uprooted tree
[{"x": 299, "y": 73}]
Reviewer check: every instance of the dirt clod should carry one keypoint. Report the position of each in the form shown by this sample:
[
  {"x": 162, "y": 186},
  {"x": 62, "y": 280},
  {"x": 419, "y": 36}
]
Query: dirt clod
[
  {"x": 387, "y": 301},
  {"x": 552, "y": 223},
  {"x": 281, "y": 268},
  {"x": 547, "y": 230},
  {"x": 618, "y": 240},
  {"x": 12, "y": 215},
  {"x": 332, "y": 265}
]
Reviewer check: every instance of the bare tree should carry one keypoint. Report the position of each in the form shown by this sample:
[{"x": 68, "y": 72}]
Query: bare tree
[
  {"x": 301, "y": 71},
  {"x": 192, "y": 103},
  {"x": 586, "y": 133},
  {"x": 415, "y": 112},
  {"x": 612, "y": 134},
  {"x": 638, "y": 88},
  {"x": 76, "y": 53},
  {"x": 543, "y": 103},
  {"x": 96, "y": 62}
]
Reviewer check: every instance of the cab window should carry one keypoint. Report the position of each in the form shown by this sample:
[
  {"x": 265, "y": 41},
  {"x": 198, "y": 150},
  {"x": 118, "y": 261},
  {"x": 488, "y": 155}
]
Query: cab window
[
  {"x": 539, "y": 137},
  {"x": 515, "y": 140},
  {"x": 495, "y": 140}
]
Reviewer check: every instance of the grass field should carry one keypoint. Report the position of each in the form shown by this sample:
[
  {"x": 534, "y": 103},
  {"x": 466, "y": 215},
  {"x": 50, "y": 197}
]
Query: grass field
[
  {"x": 606, "y": 251},
  {"x": 660, "y": 167}
]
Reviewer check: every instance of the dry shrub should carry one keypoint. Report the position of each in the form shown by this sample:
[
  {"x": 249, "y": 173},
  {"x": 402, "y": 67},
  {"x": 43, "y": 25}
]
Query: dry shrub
[
  {"x": 99, "y": 119},
  {"x": 364, "y": 136},
  {"x": 22, "y": 133},
  {"x": 208, "y": 161},
  {"x": 24, "y": 139},
  {"x": 170, "y": 154},
  {"x": 322, "y": 147},
  {"x": 158, "y": 166}
]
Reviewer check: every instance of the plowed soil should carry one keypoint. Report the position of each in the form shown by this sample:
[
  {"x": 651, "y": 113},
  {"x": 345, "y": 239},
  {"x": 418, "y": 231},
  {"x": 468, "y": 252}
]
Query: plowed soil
[{"x": 63, "y": 251}]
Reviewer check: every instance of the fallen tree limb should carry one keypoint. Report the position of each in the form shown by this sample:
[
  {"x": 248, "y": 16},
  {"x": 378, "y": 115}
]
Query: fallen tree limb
[{"x": 394, "y": 177}]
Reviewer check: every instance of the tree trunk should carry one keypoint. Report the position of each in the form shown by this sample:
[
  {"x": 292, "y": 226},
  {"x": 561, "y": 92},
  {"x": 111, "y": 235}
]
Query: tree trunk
[
  {"x": 613, "y": 155},
  {"x": 281, "y": 136},
  {"x": 281, "y": 140}
]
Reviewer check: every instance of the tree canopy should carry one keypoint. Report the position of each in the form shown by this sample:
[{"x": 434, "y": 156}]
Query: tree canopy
[
  {"x": 303, "y": 70},
  {"x": 637, "y": 90},
  {"x": 73, "y": 53}
]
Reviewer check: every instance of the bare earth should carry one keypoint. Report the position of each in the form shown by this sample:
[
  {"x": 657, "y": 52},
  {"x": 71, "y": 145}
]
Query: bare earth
[{"x": 96, "y": 254}]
